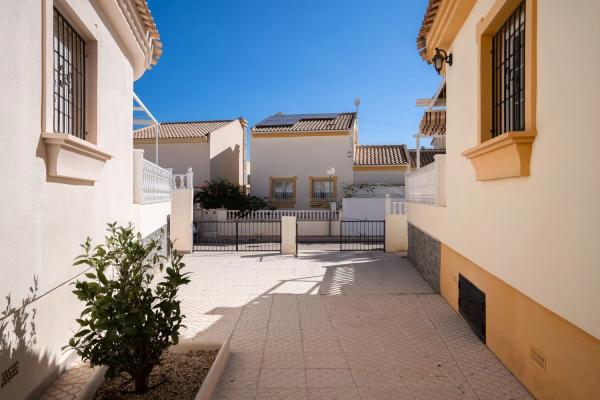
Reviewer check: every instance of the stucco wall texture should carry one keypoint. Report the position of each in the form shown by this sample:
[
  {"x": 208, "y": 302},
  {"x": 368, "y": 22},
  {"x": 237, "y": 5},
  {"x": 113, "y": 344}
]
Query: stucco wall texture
[
  {"x": 43, "y": 223},
  {"x": 534, "y": 233}
]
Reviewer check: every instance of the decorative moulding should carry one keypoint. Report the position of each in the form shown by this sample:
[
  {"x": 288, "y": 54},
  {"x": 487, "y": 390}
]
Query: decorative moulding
[
  {"x": 73, "y": 160},
  {"x": 505, "y": 156}
]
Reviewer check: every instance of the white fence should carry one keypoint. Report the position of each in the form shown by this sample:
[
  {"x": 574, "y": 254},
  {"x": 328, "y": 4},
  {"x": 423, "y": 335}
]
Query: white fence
[
  {"x": 151, "y": 183},
  {"x": 275, "y": 215},
  {"x": 428, "y": 184}
]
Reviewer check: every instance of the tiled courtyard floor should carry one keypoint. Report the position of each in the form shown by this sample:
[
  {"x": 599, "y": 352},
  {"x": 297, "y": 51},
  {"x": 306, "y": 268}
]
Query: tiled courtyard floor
[{"x": 332, "y": 325}]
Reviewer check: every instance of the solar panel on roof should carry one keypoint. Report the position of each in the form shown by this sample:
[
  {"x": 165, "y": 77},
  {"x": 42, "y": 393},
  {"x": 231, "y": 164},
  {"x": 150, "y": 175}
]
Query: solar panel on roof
[{"x": 291, "y": 119}]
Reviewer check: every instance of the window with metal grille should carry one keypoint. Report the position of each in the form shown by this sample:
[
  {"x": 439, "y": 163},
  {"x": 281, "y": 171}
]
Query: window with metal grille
[
  {"x": 508, "y": 75},
  {"x": 69, "y": 78},
  {"x": 322, "y": 190},
  {"x": 283, "y": 189}
]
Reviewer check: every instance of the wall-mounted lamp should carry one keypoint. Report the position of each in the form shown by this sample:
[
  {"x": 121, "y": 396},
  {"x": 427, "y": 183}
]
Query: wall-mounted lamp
[{"x": 439, "y": 58}]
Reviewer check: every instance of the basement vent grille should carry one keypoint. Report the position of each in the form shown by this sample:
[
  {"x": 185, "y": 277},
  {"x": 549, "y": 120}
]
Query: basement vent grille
[
  {"x": 9, "y": 373},
  {"x": 538, "y": 358}
]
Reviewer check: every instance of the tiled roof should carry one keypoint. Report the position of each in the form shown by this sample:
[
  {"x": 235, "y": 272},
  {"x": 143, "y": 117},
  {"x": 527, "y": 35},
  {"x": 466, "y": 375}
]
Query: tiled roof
[
  {"x": 433, "y": 123},
  {"x": 379, "y": 155},
  {"x": 144, "y": 10},
  {"x": 430, "y": 13},
  {"x": 305, "y": 123},
  {"x": 426, "y": 156},
  {"x": 178, "y": 130}
]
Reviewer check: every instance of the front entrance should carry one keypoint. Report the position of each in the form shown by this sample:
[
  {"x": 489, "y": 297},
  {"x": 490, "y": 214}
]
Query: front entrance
[{"x": 362, "y": 235}]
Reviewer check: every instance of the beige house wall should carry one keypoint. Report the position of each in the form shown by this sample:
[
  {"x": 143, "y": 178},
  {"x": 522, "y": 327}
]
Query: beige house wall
[
  {"x": 227, "y": 152},
  {"x": 531, "y": 241},
  {"x": 43, "y": 222},
  {"x": 302, "y": 157}
]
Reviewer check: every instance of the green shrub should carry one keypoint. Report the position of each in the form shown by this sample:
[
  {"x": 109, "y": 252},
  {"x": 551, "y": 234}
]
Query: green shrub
[
  {"x": 220, "y": 193},
  {"x": 128, "y": 321}
]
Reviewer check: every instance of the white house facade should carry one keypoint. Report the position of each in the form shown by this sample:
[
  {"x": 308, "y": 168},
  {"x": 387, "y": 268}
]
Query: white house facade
[{"x": 69, "y": 67}]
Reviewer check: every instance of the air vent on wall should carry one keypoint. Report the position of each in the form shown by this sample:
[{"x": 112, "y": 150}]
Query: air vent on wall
[
  {"x": 538, "y": 358},
  {"x": 9, "y": 373}
]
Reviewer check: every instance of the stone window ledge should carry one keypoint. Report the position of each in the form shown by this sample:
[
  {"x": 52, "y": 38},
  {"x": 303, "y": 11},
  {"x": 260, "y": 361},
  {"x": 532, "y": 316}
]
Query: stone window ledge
[
  {"x": 505, "y": 156},
  {"x": 73, "y": 160}
]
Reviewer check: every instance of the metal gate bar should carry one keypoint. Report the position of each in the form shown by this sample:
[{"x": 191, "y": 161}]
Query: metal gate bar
[
  {"x": 237, "y": 236},
  {"x": 362, "y": 235}
]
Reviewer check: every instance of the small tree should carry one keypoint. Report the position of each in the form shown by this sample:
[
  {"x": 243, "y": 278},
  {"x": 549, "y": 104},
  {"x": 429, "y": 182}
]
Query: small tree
[
  {"x": 128, "y": 323},
  {"x": 220, "y": 193}
]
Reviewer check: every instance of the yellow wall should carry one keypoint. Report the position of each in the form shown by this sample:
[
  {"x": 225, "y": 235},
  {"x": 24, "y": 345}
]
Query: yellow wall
[{"x": 516, "y": 323}]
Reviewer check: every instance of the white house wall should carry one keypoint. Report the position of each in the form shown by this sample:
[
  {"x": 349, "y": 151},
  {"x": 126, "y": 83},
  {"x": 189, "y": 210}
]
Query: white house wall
[
  {"x": 302, "y": 157},
  {"x": 43, "y": 223}
]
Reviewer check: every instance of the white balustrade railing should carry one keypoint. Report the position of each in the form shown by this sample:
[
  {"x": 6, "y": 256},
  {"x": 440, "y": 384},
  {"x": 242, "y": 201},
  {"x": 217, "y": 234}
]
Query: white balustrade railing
[
  {"x": 151, "y": 183},
  {"x": 275, "y": 215},
  {"x": 428, "y": 184},
  {"x": 183, "y": 181},
  {"x": 397, "y": 207}
]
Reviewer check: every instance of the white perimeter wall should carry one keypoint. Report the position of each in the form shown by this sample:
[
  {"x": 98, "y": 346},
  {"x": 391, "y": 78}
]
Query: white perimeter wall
[
  {"x": 301, "y": 157},
  {"x": 42, "y": 224},
  {"x": 539, "y": 233}
]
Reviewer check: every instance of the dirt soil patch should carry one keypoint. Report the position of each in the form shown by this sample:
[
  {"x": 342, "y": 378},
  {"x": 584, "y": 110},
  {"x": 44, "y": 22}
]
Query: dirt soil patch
[{"x": 182, "y": 373}]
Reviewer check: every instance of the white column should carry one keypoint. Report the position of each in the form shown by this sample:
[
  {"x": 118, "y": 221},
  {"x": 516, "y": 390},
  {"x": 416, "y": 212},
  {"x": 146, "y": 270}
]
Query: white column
[
  {"x": 138, "y": 176},
  {"x": 396, "y": 233},
  {"x": 288, "y": 235},
  {"x": 182, "y": 217},
  {"x": 189, "y": 180}
]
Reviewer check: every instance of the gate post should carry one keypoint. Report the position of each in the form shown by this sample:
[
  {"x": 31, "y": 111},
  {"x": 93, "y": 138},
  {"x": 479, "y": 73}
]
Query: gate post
[
  {"x": 182, "y": 218},
  {"x": 288, "y": 235},
  {"x": 396, "y": 233}
]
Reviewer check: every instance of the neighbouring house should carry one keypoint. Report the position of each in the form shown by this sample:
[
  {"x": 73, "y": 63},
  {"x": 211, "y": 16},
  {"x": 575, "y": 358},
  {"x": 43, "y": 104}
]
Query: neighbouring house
[
  {"x": 69, "y": 67},
  {"x": 504, "y": 228},
  {"x": 293, "y": 155},
  {"x": 213, "y": 149},
  {"x": 427, "y": 156}
]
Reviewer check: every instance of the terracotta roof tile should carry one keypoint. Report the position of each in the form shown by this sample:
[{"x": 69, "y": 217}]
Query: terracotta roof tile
[
  {"x": 150, "y": 25},
  {"x": 379, "y": 155},
  {"x": 177, "y": 130},
  {"x": 428, "y": 19},
  {"x": 426, "y": 156},
  {"x": 282, "y": 123},
  {"x": 433, "y": 123}
]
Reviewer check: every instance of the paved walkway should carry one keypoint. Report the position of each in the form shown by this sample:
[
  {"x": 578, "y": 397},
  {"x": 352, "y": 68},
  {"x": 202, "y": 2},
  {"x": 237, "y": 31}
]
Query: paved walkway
[{"x": 331, "y": 325}]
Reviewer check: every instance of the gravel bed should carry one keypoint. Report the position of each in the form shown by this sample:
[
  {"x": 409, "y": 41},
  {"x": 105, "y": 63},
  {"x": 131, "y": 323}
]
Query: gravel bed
[{"x": 184, "y": 373}]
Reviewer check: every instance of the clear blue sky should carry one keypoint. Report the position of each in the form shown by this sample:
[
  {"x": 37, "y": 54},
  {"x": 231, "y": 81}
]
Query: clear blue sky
[{"x": 229, "y": 58}]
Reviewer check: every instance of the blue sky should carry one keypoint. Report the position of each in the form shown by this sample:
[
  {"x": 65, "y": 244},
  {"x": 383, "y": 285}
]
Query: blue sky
[{"x": 229, "y": 58}]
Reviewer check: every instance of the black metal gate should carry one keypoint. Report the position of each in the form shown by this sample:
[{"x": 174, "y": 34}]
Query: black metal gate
[
  {"x": 362, "y": 235},
  {"x": 237, "y": 236}
]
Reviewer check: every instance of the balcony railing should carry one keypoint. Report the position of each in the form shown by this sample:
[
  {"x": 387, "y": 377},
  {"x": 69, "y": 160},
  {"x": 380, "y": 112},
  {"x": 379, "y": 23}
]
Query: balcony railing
[
  {"x": 151, "y": 183},
  {"x": 428, "y": 184},
  {"x": 275, "y": 215},
  {"x": 183, "y": 181}
]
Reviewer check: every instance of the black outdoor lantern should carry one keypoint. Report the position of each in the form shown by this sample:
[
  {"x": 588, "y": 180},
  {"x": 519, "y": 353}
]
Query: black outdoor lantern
[{"x": 439, "y": 58}]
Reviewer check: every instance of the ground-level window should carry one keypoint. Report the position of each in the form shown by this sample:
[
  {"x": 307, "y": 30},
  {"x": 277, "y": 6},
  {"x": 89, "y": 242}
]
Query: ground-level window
[
  {"x": 69, "y": 78},
  {"x": 508, "y": 75},
  {"x": 283, "y": 189},
  {"x": 322, "y": 190}
]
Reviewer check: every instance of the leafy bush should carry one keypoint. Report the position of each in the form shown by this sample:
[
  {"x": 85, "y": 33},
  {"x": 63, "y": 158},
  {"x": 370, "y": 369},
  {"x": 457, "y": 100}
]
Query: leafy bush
[
  {"x": 128, "y": 322},
  {"x": 220, "y": 193}
]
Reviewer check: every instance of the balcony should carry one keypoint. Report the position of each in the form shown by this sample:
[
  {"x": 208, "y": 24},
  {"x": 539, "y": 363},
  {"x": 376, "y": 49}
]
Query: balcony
[
  {"x": 428, "y": 184},
  {"x": 151, "y": 183}
]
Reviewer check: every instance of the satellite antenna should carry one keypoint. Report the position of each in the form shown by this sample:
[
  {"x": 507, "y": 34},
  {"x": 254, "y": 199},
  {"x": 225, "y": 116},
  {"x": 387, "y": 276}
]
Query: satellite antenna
[{"x": 357, "y": 103}]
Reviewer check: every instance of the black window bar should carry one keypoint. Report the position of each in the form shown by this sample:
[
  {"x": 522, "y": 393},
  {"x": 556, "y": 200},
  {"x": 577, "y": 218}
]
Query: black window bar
[
  {"x": 69, "y": 78},
  {"x": 508, "y": 75}
]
